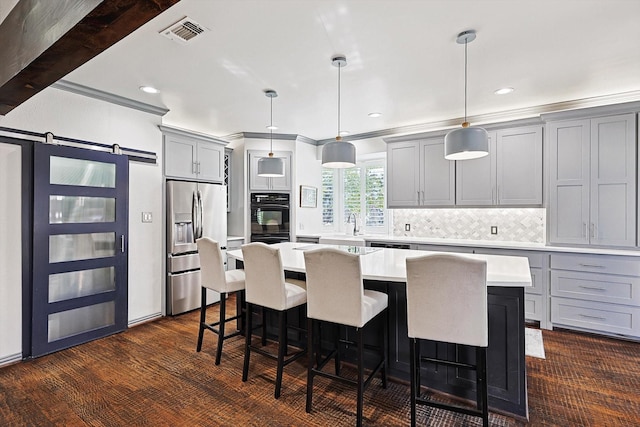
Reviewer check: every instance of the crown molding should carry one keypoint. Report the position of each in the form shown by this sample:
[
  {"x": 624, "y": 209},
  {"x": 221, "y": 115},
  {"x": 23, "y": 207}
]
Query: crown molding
[
  {"x": 175, "y": 131},
  {"x": 264, "y": 135}
]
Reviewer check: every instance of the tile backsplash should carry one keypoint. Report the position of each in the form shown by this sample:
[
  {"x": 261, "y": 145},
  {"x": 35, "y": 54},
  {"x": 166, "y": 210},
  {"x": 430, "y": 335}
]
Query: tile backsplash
[{"x": 514, "y": 225}]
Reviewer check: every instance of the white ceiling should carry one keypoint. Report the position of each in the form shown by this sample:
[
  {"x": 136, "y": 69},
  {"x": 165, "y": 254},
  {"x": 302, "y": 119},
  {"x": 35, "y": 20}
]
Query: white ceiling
[{"x": 403, "y": 61}]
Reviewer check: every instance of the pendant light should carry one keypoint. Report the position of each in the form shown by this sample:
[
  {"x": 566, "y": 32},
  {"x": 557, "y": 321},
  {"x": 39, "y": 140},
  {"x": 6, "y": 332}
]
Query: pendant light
[
  {"x": 338, "y": 153},
  {"x": 271, "y": 167},
  {"x": 468, "y": 142}
]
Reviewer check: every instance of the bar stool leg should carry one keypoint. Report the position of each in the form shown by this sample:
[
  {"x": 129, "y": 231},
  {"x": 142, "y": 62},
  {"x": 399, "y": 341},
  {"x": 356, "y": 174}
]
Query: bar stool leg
[
  {"x": 413, "y": 376},
  {"x": 311, "y": 349},
  {"x": 385, "y": 349},
  {"x": 282, "y": 349},
  {"x": 203, "y": 316},
  {"x": 360, "y": 403},
  {"x": 481, "y": 384},
  {"x": 223, "y": 316},
  {"x": 337, "y": 344},
  {"x": 247, "y": 344}
]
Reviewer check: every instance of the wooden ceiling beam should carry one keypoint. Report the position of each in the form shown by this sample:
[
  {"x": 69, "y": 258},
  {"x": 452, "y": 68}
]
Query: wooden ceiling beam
[{"x": 45, "y": 40}]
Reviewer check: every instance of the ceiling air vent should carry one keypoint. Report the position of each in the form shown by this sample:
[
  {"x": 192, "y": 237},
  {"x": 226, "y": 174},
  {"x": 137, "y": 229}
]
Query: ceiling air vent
[{"x": 183, "y": 31}]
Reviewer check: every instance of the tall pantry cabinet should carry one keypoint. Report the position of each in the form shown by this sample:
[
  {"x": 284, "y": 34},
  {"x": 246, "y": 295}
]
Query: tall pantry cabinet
[{"x": 592, "y": 181}]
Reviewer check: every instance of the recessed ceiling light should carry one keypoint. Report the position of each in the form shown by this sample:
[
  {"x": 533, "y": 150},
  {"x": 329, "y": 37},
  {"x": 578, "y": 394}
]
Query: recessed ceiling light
[
  {"x": 272, "y": 127},
  {"x": 503, "y": 91},
  {"x": 374, "y": 114},
  {"x": 149, "y": 89},
  {"x": 344, "y": 132}
]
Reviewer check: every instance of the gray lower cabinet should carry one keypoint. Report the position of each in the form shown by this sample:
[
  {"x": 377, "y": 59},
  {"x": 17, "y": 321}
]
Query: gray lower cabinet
[
  {"x": 596, "y": 293},
  {"x": 536, "y": 298},
  {"x": 307, "y": 239}
]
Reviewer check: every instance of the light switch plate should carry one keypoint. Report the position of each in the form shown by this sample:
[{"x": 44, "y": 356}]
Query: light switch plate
[
  {"x": 494, "y": 229},
  {"x": 147, "y": 217}
]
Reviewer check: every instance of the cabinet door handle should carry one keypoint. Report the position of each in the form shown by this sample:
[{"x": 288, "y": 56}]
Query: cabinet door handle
[
  {"x": 592, "y": 265},
  {"x": 194, "y": 168},
  {"x": 585, "y": 232},
  {"x": 423, "y": 197},
  {"x": 592, "y": 288},
  {"x": 122, "y": 243},
  {"x": 592, "y": 227},
  {"x": 593, "y": 317},
  {"x": 418, "y": 196}
]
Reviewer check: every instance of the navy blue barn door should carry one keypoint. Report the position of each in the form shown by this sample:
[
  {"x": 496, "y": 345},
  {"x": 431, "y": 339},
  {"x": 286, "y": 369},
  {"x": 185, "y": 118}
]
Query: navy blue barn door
[{"x": 79, "y": 246}]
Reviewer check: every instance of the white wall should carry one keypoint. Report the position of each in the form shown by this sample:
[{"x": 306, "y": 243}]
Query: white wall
[
  {"x": 10, "y": 253},
  {"x": 76, "y": 116},
  {"x": 308, "y": 171}
]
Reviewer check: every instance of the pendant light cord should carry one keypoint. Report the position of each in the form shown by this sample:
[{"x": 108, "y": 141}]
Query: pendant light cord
[
  {"x": 271, "y": 128},
  {"x": 465, "y": 80},
  {"x": 339, "y": 67}
]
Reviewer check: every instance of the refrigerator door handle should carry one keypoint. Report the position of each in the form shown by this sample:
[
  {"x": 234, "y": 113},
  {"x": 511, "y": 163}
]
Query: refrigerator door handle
[
  {"x": 200, "y": 219},
  {"x": 194, "y": 216}
]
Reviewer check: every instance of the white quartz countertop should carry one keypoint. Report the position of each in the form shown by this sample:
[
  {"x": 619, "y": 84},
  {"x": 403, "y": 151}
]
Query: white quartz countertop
[
  {"x": 389, "y": 264},
  {"x": 492, "y": 244}
]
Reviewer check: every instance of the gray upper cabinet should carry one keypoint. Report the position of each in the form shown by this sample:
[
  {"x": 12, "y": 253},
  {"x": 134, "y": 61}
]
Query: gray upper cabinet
[
  {"x": 476, "y": 178},
  {"x": 403, "y": 174},
  {"x": 592, "y": 181},
  {"x": 419, "y": 175},
  {"x": 519, "y": 166},
  {"x": 437, "y": 174},
  {"x": 511, "y": 175},
  {"x": 259, "y": 183},
  {"x": 192, "y": 156}
]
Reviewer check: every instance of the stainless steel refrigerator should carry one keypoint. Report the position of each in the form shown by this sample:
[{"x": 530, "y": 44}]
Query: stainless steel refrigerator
[{"x": 194, "y": 210}]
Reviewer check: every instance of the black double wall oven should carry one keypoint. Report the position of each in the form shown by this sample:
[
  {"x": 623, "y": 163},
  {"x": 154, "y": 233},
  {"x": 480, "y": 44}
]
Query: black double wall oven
[{"x": 270, "y": 217}]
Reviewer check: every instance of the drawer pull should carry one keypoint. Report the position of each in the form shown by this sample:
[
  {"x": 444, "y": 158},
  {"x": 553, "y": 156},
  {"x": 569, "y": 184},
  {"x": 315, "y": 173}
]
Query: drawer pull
[
  {"x": 592, "y": 288},
  {"x": 593, "y": 317},
  {"x": 592, "y": 265}
]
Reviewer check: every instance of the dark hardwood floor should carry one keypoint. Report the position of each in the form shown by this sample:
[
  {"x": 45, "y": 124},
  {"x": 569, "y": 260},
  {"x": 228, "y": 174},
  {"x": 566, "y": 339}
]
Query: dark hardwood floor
[{"x": 151, "y": 375}]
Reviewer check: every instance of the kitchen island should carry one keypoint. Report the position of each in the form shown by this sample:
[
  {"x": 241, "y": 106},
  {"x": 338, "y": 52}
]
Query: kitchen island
[{"x": 384, "y": 270}]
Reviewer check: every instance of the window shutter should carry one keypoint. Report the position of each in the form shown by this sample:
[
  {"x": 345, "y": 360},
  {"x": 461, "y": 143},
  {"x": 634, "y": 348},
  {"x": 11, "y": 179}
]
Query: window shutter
[{"x": 328, "y": 194}]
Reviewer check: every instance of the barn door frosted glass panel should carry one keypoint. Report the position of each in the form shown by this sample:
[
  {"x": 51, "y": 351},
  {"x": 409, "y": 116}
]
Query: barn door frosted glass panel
[
  {"x": 68, "y": 323},
  {"x": 76, "y": 284},
  {"x": 80, "y": 209},
  {"x": 73, "y": 247},
  {"x": 86, "y": 173}
]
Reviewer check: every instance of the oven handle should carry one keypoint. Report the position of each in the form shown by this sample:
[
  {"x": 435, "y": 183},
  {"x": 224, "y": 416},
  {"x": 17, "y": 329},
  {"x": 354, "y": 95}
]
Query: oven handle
[{"x": 269, "y": 206}]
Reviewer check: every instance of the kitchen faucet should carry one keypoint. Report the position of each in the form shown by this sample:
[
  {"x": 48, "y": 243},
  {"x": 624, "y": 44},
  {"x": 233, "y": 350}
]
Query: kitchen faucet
[{"x": 355, "y": 222}]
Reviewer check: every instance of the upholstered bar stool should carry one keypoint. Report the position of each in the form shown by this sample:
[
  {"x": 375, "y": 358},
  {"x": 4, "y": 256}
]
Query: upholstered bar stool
[
  {"x": 336, "y": 294},
  {"x": 213, "y": 276},
  {"x": 447, "y": 302},
  {"x": 267, "y": 287}
]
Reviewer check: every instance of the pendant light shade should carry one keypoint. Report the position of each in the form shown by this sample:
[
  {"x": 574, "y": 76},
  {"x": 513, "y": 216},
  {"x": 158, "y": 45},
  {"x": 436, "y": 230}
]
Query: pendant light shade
[
  {"x": 468, "y": 142},
  {"x": 339, "y": 153},
  {"x": 271, "y": 167}
]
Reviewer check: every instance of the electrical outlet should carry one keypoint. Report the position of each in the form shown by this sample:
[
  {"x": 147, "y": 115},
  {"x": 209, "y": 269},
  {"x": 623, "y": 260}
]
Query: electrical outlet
[
  {"x": 407, "y": 227},
  {"x": 147, "y": 217},
  {"x": 494, "y": 229}
]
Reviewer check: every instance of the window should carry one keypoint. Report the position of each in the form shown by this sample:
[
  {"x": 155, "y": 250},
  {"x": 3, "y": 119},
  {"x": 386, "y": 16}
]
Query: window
[{"x": 360, "y": 191}]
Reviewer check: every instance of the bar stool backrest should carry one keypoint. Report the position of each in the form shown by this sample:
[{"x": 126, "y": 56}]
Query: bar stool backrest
[
  {"x": 447, "y": 299},
  {"x": 211, "y": 265},
  {"x": 335, "y": 290},
  {"x": 264, "y": 276}
]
